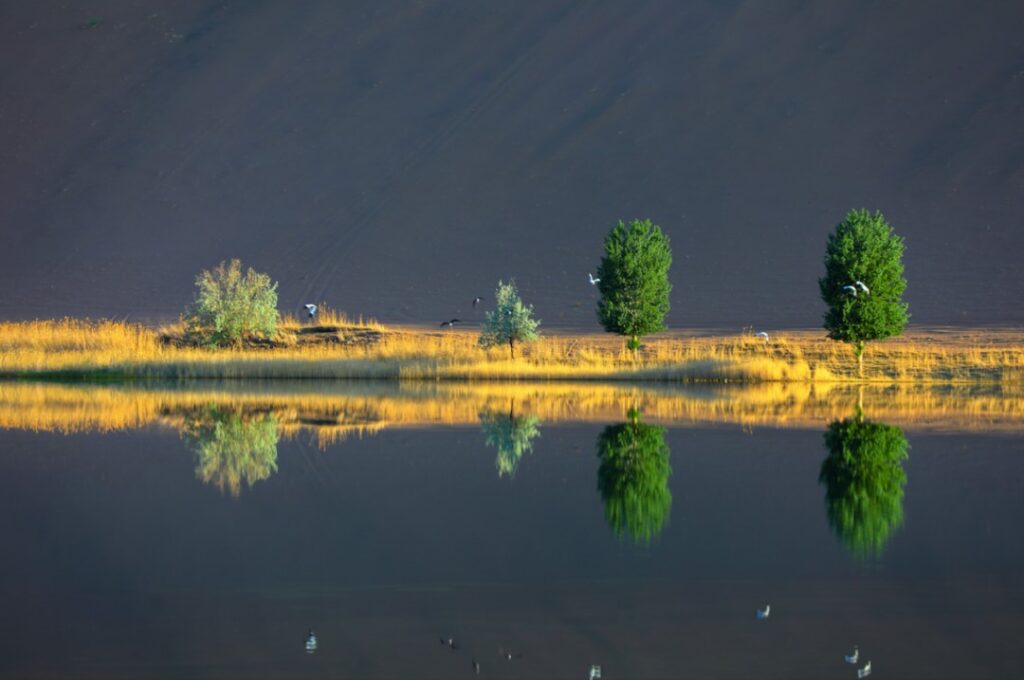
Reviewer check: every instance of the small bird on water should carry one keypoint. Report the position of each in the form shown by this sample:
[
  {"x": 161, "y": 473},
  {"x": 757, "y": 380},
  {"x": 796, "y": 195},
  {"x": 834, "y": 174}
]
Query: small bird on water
[
  {"x": 593, "y": 281},
  {"x": 864, "y": 672},
  {"x": 477, "y": 300},
  {"x": 853, "y": 658},
  {"x": 311, "y": 642},
  {"x": 595, "y": 673},
  {"x": 450, "y": 643},
  {"x": 764, "y": 613}
]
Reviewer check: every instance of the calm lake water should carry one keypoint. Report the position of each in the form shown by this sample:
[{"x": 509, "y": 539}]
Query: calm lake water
[{"x": 207, "y": 542}]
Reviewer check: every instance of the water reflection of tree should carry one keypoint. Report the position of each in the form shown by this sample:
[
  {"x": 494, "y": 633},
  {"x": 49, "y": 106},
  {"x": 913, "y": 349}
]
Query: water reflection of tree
[
  {"x": 232, "y": 448},
  {"x": 633, "y": 478},
  {"x": 511, "y": 435},
  {"x": 864, "y": 479}
]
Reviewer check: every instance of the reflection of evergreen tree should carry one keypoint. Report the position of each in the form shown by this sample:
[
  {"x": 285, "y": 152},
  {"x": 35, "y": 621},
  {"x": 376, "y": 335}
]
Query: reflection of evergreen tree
[
  {"x": 231, "y": 449},
  {"x": 511, "y": 435},
  {"x": 633, "y": 478},
  {"x": 864, "y": 479}
]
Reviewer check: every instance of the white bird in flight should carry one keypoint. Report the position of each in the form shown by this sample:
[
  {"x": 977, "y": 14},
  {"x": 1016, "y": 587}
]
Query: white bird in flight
[
  {"x": 764, "y": 335},
  {"x": 860, "y": 284},
  {"x": 764, "y": 613},
  {"x": 311, "y": 309},
  {"x": 851, "y": 290},
  {"x": 853, "y": 658},
  {"x": 864, "y": 672},
  {"x": 593, "y": 281}
]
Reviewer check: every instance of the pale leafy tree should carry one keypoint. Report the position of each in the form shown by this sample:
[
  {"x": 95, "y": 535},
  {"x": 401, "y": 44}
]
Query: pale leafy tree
[
  {"x": 863, "y": 284},
  {"x": 231, "y": 448},
  {"x": 512, "y": 435},
  {"x": 633, "y": 280},
  {"x": 231, "y": 306},
  {"x": 510, "y": 322}
]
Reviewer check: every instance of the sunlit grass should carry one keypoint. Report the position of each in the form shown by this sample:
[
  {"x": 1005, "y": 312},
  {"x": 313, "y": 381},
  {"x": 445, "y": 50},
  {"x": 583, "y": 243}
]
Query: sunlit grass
[
  {"x": 339, "y": 347},
  {"x": 333, "y": 412}
]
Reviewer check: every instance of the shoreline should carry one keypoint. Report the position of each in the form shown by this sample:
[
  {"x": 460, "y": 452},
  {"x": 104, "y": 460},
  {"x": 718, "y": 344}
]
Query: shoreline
[{"x": 72, "y": 350}]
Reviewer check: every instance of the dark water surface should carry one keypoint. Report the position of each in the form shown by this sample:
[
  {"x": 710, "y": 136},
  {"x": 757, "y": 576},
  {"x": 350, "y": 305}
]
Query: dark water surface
[{"x": 121, "y": 562}]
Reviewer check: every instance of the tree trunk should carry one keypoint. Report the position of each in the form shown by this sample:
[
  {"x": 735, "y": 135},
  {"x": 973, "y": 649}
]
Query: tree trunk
[
  {"x": 512, "y": 347},
  {"x": 858, "y": 349}
]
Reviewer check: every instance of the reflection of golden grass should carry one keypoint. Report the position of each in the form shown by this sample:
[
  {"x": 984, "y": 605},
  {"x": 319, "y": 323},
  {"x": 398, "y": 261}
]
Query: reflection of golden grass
[
  {"x": 358, "y": 410},
  {"x": 73, "y": 348}
]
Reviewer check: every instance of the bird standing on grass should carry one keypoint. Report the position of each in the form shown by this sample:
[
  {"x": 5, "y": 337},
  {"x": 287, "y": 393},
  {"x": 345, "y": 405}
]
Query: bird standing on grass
[
  {"x": 764, "y": 335},
  {"x": 860, "y": 284},
  {"x": 312, "y": 311},
  {"x": 851, "y": 290}
]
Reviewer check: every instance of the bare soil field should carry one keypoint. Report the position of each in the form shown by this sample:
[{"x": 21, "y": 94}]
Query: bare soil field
[{"x": 395, "y": 159}]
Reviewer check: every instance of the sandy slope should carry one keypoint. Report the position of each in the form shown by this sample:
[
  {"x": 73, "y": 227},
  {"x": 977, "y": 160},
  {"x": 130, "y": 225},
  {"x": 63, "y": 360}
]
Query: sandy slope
[{"x": 395, "y": 159}]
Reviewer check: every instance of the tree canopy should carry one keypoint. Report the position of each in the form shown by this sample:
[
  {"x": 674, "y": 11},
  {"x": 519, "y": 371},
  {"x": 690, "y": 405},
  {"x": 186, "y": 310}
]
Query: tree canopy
[
  {"x": 232, "y": 449},
  {"x": 863, "y": 284},
  {"x": 510, "y": 322},
  {"x": 231, "y": 307},
  {"x": 511, "y": 435},
  {"x": 632, "y": 478},
  {"x": 864, "y": 480},
  {"x": 634, "y": 280}
]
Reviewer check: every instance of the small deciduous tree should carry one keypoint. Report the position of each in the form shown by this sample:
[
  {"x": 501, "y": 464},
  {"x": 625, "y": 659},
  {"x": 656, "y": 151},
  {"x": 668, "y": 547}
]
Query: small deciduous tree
[
  {"x": 634, "y": 280},
  {"x": 510, "y": 322},
  {"x": 232, "y": 449},
  {"x": 863, "y": 284},
  {"x": 511, "y": 435},
  {"x": 230, "y": 307}
]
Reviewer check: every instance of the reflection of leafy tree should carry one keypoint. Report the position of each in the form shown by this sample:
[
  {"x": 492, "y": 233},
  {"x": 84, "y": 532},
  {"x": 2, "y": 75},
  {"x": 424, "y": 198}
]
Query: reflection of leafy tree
[
  {"x": 232, "y": 449},
  {"x": 511, "y": 435},
  {"x": 864, "y": 479},
  {"x": 633, "y": 478}
]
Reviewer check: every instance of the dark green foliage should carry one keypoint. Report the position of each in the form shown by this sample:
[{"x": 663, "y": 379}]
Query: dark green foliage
[
  {"x": 511, "y": 435},
  {"x": 510, "y": 322},
  {"x": 864, "y": 479},
  {"x": 231, "y": 449},
  {"x": 633, "y": 478},
  {"x": 634, "y": 280},
  {"x": 230, "y": 307},
  {"x": 864, "y": 248}
]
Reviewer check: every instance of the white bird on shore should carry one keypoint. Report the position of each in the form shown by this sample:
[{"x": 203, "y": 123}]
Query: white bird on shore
[
  {"x": 864, "y": 672},
  {"x": 764, "y": 613},
  {"x": 764, "y": 335},
  {"x": 853, "y": 658},
  {"x": 593, "y": 281},
  {"x": 311, "y": 309},
  {"x": 851, "y": 290},
  {"x": 860, "y": 284},
  {"x": 311, "y": 642}
]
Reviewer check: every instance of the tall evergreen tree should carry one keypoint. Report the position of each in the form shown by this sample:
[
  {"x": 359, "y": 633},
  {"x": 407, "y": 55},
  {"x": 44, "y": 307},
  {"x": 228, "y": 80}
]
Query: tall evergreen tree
[
  {"x": 864, "y": 480},
  {"x": 634, "y": 280},
  {"x": 863, "y": 284}
]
